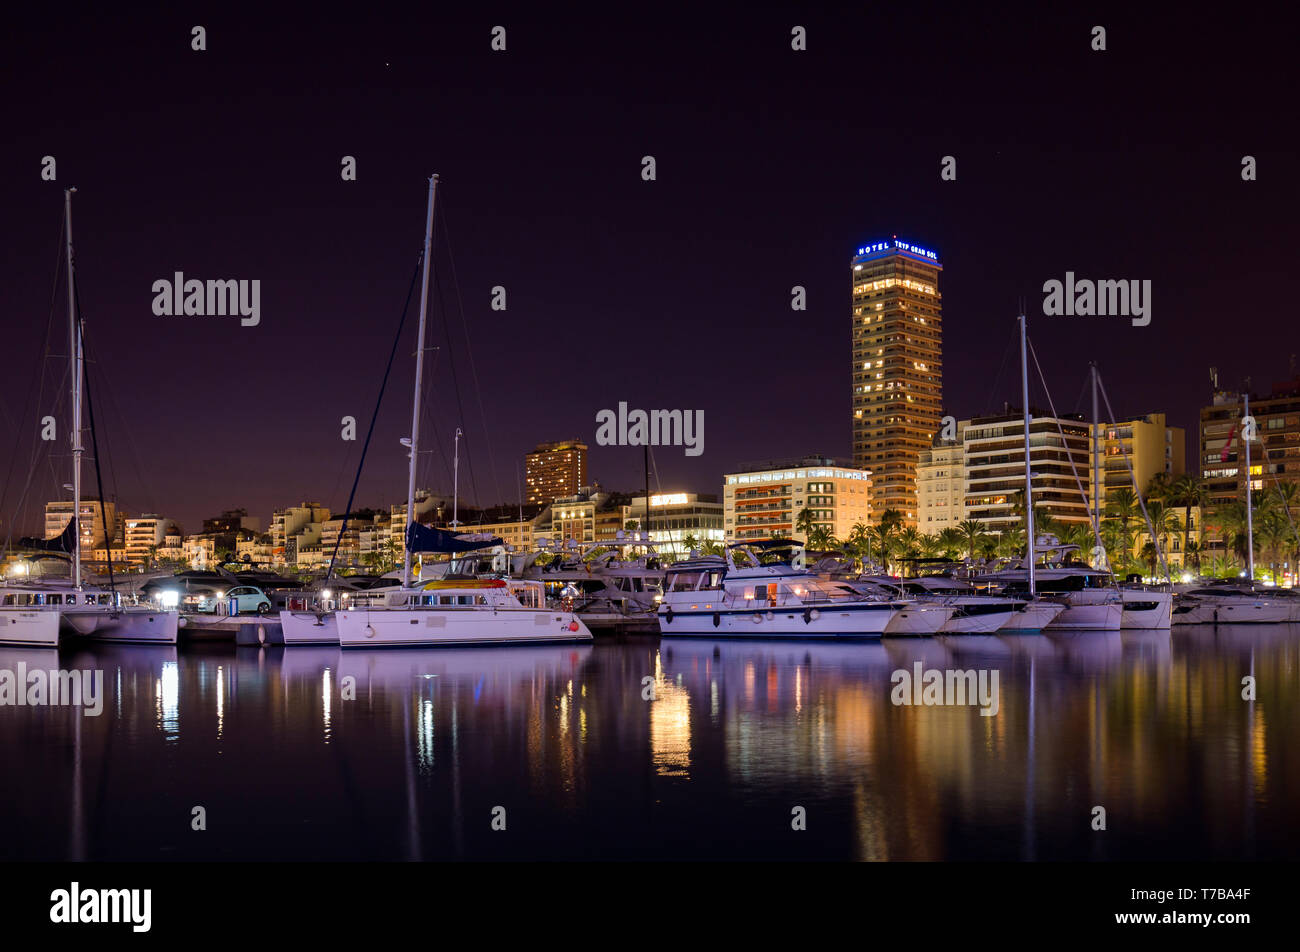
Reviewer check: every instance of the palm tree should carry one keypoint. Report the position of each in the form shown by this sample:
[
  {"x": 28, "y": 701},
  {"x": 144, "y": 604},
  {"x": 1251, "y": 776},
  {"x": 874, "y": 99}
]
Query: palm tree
[
  {"x": 910, "y": 542},
  {"x": 1011, "y": 542},
  {"x": 931, "y": 547},
  {"x": 883, "y": 543},
  {"x": 804, "y": 521},
  {"x": 820, "y": 539},
  {"x": 1149, "y": 556},
  {"x": 972, "y": 534},
  {"x": 1122, "y": 506},
  {"x": 951, "y": 542},
  {"x": 1187, "y": 491}
]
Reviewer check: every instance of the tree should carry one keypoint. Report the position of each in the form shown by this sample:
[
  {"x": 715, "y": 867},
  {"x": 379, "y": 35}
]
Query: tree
[
  {"x": 805, "y": 521},
  {"x": 820, "y": 539},
  {"x": 1122, "y": 508},
  {"x": 951, "y": 542},
  {"x": 972, "y": 534},
  {"x": 1188, "y": 490}
]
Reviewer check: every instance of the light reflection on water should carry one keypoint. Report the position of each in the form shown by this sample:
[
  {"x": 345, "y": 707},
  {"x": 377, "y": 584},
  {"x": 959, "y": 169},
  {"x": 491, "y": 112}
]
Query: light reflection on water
[{"x": 318, "y": 753}]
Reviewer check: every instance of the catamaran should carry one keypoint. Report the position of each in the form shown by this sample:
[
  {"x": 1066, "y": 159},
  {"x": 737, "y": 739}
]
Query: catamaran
[
  {"x": 450, "y": 611},
  {"x": 77, "y": 609}
]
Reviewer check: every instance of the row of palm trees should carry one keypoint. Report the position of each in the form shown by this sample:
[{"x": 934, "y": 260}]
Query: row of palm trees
[{"x": 1169, "y": 504}]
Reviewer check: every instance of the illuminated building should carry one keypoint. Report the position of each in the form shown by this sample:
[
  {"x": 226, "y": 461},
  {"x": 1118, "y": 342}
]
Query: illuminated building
[
  {"x": 1150, "y": 446},
  {"x": 941, "y": 485},
  {"x": 553, "y": 470},
  {"x": 994, "y": 461},
  {"x": 897, "y": 367},
  {"x": 765, "y": 499},
  {"x": 675, "y": 516}
]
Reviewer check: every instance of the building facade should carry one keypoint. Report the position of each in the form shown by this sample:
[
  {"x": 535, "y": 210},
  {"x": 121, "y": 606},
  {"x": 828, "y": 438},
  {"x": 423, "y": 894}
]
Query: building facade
[
  {"x": 941, "y": 484},
  {"x": 897, "y": 376},
  {"x": 679, "y": 522},
  {"x": 1146, "y": 444},
  {"x": 765, "y": 499},
  {"x": 994, "y": 461},
  {"x": 553, "y": 470}
]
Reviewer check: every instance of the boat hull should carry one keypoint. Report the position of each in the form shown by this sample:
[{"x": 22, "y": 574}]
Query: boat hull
[
  {"x": 29, "y": 628},
  {"x": 130, "y": 626},
  {"x": 919, "y": 621},
  {"x": 799, "y": 622},
  {"x": 1253, "y": 611},
  {"x": 1097, "y": 617},
  {"x": 983, "y": 623},
  {"x": 428, "y": 628},
  {"x": 309, "y": 628},
  {"x": 1033, "y": 617},
  {"x": 1147, "y": 609}
]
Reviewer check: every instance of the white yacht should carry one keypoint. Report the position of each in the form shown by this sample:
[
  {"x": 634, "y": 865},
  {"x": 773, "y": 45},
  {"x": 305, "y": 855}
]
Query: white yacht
[
  {"x": 451, "y": 611},
  {"x": 973, "y": 613},
  {"x": 603, "y": 580},
  {"x": 715, "y": 595},
  {"x": 1089, "y": 599},
  {"x": 1229, "y": 604}
]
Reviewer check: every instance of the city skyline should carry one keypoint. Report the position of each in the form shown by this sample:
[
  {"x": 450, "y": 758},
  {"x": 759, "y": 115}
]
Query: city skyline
[{"x": 538, "y": 205}]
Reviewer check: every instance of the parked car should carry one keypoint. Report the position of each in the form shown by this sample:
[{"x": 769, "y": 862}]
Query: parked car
[{"x": 247, "y": 598}]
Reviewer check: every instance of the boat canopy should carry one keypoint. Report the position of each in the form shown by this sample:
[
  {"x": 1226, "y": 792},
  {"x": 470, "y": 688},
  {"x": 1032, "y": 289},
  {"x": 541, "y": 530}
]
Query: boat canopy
[
  {"x": 425, "y": 539},
  {"x": 64, "y": 542}
]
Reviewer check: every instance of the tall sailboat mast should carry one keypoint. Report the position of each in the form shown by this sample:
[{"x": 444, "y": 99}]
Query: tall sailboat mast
[
  {"x": 1032, "y": 556},
  {"x": 1096, "y": 455},
  {"x": 74, "y": 352},
  {"x": 1250, "y": 519},
  {"x": 414, "y": 441}
]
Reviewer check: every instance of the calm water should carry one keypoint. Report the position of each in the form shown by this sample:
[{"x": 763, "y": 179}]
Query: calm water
[{"x": 1149, "y": 725}]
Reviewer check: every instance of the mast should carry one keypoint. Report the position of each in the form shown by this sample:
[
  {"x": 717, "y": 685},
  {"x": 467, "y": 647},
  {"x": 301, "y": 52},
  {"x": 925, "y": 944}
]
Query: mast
[
  {"x": 1096, "y": 455},
  {"x": 647, "y": 494},
  {"x": 74, "y": 352},
  {"x": 414, "y": 442},
  {"x": 1250, "y": 520},
  {"x": 1029, "y": 481},
  {"x": 455, "y": 481}
]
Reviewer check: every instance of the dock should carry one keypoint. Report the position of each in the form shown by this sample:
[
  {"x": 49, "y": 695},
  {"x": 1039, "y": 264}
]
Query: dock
[{"x": 241, "y": 629}]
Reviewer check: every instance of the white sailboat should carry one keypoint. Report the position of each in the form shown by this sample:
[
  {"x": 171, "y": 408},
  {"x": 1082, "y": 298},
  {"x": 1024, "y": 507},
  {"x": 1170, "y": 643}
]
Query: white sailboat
[
  {"x": 450, "y": 611},
  {"x": 78, "y": 609}
]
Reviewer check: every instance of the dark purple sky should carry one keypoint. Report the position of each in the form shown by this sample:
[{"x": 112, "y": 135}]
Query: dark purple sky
[{"x": 773, "y": 166}]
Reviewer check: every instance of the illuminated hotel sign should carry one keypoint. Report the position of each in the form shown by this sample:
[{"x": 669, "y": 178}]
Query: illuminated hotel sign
[
  {"x": 896, "y": 245},
  {"x": 670, "y": 499}
]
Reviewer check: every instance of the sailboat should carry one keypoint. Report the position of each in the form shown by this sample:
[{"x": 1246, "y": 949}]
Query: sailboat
[
  {"x": 78, "y": 609},
  {"x": 1237, "y": 603},
  {"x": 1080, "y": 598},
  {"x": 449, "y": 611}
]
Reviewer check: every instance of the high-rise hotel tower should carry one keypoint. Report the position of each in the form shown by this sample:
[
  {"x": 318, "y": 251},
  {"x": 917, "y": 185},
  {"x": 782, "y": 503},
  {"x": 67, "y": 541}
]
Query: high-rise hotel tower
[{"x": 897, "y": 367}]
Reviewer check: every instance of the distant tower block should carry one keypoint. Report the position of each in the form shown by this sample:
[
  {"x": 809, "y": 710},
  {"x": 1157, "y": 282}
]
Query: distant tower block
[
  {"x": 553, "y": 470},
  {"x": 897, "y": 367}
]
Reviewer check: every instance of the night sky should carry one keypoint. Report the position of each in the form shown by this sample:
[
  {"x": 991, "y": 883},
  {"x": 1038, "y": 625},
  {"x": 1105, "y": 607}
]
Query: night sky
[{"x": 773, "y": 166}]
